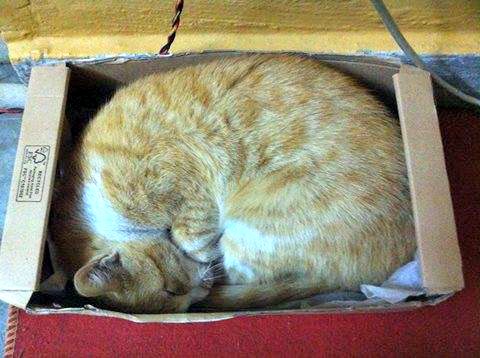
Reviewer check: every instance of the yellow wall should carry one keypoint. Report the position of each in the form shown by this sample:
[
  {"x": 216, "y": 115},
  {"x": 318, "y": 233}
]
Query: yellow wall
[{"x": 79, "y": 28}]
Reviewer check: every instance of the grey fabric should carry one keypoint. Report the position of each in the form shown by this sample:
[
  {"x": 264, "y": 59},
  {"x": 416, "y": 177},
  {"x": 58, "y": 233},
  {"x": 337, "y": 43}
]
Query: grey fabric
[{"x": 9, "y": 132}]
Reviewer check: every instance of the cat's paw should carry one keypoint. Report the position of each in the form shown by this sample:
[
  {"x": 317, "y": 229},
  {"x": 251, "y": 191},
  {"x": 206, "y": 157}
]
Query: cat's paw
[
  {"x": 201, "y": 249},
  {"x": 206, "y": 254},
  {"x": 198, "y": 293},
  {"x": 200, "y": 245}
]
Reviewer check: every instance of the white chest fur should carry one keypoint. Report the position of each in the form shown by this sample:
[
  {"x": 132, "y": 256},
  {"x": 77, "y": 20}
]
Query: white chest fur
[{"x": 104, "y": 220}]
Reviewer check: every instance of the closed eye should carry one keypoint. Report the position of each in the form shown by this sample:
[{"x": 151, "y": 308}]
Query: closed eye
[{"x": 171, "y": 293}]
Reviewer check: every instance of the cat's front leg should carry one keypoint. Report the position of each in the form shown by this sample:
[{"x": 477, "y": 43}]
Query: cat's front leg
[{"x": 196, "y": 230}]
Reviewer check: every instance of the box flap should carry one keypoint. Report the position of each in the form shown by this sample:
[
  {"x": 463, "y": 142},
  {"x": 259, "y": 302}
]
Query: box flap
[
  {"x": 432, "y": 207},
  {"x": 26, "y": 220},
  {"x": 18, "y": 299}
]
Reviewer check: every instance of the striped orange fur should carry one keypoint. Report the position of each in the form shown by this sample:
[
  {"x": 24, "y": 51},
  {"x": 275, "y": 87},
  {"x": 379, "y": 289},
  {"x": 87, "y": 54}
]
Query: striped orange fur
[{"x": 288, "y": 170}]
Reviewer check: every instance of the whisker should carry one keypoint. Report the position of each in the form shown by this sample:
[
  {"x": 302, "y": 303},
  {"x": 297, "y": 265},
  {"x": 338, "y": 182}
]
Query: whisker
[
  {"x": 211, "y": 278},
  {"x": 214, "y": 267}
]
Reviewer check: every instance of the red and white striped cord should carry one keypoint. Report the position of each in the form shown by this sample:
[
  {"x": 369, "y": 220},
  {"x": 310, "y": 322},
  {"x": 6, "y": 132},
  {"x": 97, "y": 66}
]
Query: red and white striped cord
[
  {"x": 10, "y": 110},
  {"x": 165, "y": 50},
  {"x": 11, "y": 332}
]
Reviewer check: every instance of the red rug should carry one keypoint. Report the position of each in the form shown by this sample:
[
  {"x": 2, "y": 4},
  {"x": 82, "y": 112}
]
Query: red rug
[{"x": 449, "y": 329}]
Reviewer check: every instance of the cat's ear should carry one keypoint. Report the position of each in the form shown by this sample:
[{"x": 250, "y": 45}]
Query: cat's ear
[{"x": 100, "y": 276}]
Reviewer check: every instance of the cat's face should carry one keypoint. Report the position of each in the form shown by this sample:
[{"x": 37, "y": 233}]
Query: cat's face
[{"x": 141, "y": 277}]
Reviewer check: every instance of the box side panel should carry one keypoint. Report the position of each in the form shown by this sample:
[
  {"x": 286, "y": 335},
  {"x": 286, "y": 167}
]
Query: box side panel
[
  {"x": 376, "y": 71},
  {"x": 30, "y": 193},
  {"x": 434, "y": 221}
]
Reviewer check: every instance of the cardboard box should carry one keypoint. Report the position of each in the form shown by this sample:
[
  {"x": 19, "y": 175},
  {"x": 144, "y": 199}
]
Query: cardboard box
[{"x": 79, "y": 89}]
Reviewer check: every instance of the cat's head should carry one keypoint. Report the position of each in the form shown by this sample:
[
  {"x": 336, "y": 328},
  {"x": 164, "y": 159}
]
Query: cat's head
[{"x": 144, "y": 277}]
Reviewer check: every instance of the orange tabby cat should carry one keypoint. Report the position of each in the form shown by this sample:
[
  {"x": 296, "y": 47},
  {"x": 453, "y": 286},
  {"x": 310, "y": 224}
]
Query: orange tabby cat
[{"x": 287, "y": 169}]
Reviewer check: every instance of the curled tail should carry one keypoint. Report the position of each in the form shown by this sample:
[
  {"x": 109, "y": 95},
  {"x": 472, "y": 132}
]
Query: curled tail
[{"x": 248, "y": 296}]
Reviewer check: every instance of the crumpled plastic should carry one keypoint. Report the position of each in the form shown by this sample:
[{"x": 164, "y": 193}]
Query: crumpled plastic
[{"x": 405, "y": 282}]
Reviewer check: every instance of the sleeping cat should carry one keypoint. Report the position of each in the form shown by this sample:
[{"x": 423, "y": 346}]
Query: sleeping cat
[{"x": 286, "y": 171}]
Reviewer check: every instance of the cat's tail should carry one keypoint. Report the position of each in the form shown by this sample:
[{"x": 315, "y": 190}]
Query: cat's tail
[{"x": 251, "y": 296}]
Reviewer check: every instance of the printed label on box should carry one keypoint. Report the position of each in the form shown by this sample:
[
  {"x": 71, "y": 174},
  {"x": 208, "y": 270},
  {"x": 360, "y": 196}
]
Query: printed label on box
[{"x": 32, "y": 173}]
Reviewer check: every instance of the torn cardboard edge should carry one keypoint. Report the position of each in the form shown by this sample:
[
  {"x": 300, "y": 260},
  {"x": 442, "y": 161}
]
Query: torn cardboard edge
[
  {"x": 220, "y": 316},
  {"x": 24, "y": 237}
]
